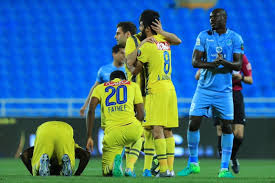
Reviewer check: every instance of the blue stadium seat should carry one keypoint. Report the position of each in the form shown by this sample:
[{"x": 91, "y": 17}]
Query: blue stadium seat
[{"x": 53, "y": 48}]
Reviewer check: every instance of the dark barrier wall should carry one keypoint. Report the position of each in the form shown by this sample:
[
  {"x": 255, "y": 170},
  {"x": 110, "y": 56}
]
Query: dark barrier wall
[{"x": 19, "y": 133}]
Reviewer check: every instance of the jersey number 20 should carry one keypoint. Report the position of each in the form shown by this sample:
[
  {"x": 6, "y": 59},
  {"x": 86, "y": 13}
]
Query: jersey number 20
[
  {"x": 166, "y": 62},
  {"x": 117, "y": 92}
]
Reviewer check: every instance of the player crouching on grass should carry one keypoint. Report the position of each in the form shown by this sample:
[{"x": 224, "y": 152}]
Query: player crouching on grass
[
  {"x": 119, "y": 100},
  {"x": 54, "y": 151}
]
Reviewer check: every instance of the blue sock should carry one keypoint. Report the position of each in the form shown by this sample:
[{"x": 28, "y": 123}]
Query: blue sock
[
  {"x": 193, "y": 139},
  {"x": 227, "y": 144}
]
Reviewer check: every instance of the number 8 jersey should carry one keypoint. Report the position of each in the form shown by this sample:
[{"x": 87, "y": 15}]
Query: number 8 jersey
[
  {"x": 156, "y": 58},
  {"x": 117, "y": 99}
]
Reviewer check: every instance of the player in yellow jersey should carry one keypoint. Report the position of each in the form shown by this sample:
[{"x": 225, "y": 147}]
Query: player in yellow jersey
[
  {"x": 119, "y": 100},
  {"x": 54, "y": 151},
  {"x": 161, "y": 100},
  {"x": 125, "y": 36}
]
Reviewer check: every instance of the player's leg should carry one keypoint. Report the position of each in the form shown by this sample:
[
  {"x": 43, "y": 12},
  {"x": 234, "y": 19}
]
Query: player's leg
[
  {"x": 199, "y": 108},
  {"x": 156, "y": 118},
  {"x": 43, "y": 150},
  {"x": 149, "y": 151},
  {"x": 133, "y": 156},
  {"x": 172, "y": 122},
  {"x": 238, "y": 128},
  {"x": 65, "y": 149},
  {"x": 170, "y": 149},
  {"x": 219, "y": 134},
  {"x": 160, "y": 147},
  {"x": 223, "y": 105},
  {"x": 111, "y": 149}
]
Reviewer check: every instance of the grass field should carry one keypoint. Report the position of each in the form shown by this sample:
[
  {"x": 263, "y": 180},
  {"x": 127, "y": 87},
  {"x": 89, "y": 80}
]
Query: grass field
[{"x": 12, "y": 170}]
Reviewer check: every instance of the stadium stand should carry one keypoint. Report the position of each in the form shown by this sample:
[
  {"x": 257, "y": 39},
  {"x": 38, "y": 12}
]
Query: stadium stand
[{"x": 53, "y": 49}]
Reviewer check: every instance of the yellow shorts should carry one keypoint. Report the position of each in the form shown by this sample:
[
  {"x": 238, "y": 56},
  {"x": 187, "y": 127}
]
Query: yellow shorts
[
  {"x": 161, "y": 106},
  {"x": 115, "y": 139},
  {"x": 54, "y": 138}
]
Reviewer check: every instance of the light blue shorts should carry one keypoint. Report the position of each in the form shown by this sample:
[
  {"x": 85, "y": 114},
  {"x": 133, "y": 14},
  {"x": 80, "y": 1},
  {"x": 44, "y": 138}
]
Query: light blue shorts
[{"x": 221, "y": 104}]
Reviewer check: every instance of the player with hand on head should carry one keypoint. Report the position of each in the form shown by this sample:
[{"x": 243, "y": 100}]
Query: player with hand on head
[
  {"x": 119, "y": 100},
  {"x": 161, "y": 100},
  {"x": 217, "y": 52}
]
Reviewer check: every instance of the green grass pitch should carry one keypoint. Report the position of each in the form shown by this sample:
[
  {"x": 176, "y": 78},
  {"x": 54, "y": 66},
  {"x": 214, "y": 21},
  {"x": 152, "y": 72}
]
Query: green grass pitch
[{"x": 12, "y": 170}]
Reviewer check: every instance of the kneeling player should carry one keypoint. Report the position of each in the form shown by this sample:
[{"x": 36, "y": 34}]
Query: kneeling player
[
  {"x": 121, "y": 126},
  {"x": 54, "y": 151}
]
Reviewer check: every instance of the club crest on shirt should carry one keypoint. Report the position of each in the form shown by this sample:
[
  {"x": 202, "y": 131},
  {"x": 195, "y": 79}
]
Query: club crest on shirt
[
  {"x": 229, "y": 42},
  {"x": 218, "y": 49},
  {"x": 163, "y": 45}
]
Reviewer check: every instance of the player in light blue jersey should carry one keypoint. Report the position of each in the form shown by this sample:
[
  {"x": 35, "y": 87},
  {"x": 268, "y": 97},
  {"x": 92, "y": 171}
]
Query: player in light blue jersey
[
  {"x": 217, "y": 52},
  {"x": 103, "y": 74}
]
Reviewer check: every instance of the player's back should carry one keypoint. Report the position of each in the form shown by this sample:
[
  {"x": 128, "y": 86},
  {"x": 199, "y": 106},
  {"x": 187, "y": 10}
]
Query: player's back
[
  {"x": 117, "y": 99},
  {"x": 157, "y": 62}
]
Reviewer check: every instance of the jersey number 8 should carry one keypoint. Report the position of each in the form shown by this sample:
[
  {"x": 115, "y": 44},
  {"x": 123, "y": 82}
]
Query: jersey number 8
[
  {"x": 117, "y": 92},
  {"x": 166, "y": 62}
]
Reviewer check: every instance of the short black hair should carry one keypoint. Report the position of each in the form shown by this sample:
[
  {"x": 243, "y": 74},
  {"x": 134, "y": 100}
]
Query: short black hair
[
  {"x": 148, "y": 17},
  {"x": 221, "y": 11},
  {"x": 127, "y": 26},
  {"x": 116, "y": 48},
  {"x": 117, "y": 74}
]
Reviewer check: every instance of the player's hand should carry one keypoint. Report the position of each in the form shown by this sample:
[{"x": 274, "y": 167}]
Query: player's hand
[
  {"x": 82, "y": 111},
  {"x": 149, "y": 40},
  {"x": 237, "y": 76},
  {"x": 157, "y": 26},
  {"x": 90, "y": 144}
]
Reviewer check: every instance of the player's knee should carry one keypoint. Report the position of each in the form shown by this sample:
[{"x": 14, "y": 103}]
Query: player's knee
[
  {"x": 158, "y": 132},
  {"x": 168, "y": 132},
  {"x": 193, "y": 125},
  {"x": 238, "y": 136},
  {"x": 226, "y": 128}
]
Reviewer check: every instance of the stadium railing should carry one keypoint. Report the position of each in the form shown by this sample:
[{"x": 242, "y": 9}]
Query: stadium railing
[{"x": 13, "y": 107}]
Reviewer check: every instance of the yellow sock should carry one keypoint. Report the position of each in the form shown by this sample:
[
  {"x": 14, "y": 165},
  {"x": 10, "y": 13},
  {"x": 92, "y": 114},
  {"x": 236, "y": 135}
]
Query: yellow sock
[
  {"x": 134, "y": 153},
  {"x": 127, "y": 150},
  {"x": 170, "y": 151},
  {"x": 160, "y": 145},
  {"x": 149, "y": 149}
]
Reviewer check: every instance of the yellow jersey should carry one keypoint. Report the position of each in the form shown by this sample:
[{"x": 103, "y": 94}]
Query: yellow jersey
[
  {"x": 131, "y": 44},
  {"x": 117, "y": 99},
  {"x": 157, "y": 62}
]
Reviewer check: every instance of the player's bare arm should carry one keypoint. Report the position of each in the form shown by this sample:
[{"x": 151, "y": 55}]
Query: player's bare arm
[
  {"x": 170, "y": 37},
  {"x": 139, "y": 108},
  {"x": 236, "y": 64},
  {"x": 84, "y": 157},
  {"x": 138, "y": 68},
  {"x": 90, "y": 122},
  {"x": 26, "y": 157},
  {"x": 198, "y": 63},
  {"x": 83, "y": 108},
  {"x": 132, "y": 57}
]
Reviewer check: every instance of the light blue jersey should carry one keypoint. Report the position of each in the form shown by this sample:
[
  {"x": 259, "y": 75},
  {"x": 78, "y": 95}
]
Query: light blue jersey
[
  {"x": 210, "y": 42},
  {"x": 103, "y": 74},
  {"x": 214, "y": 89}
]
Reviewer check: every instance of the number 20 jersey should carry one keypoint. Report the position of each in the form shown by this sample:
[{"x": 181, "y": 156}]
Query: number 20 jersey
[{"x": 117, "y": 99}]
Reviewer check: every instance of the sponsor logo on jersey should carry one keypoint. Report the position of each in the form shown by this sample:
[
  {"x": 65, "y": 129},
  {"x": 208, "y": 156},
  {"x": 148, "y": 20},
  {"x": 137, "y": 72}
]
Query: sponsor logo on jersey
[
  {"x": 198, "y": 42},
  {"x": 111, "y": 83},
  {"x": 163, "y": 45}
]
